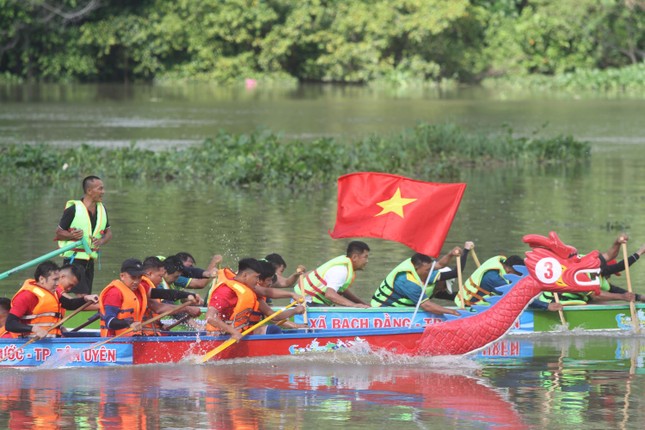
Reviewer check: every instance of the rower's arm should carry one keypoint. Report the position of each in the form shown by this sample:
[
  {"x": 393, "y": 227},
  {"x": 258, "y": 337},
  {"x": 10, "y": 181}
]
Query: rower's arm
[
  {"x": 14, "y": 325},
  {"x": 275, "y": 294},
  {"x": 212, "y": 317},
  {"x": 163, "y": 294},
  {"x": 428, "y": 306},
  {"x": 342, "y": 300},
  {"x": 353, "y": 297},
  {"x": 612, "y": 252},
  {"x": 268, "y": 311}
]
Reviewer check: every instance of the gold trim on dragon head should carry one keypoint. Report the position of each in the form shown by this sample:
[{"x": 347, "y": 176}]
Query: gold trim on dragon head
[{"x": 557, "y": 267}]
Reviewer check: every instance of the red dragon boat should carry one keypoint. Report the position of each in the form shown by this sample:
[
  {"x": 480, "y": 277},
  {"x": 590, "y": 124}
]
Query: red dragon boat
[{"x": 551, "y": 266}]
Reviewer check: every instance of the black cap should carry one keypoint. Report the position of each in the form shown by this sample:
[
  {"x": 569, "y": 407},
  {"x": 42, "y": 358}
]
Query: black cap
[{"x": 132, "y": 267}]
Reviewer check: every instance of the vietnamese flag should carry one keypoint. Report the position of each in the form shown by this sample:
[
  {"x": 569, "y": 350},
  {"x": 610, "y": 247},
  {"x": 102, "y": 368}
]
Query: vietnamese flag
[{"x": 415, "y": 213}]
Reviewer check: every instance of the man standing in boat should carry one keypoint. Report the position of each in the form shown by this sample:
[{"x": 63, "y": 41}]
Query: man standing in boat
[
  {"x": 39, "y": 303},
  {"x": 87, "y": 218},
  {"x": 329, "y": 284},
  {"x": 403, "y": 286}
]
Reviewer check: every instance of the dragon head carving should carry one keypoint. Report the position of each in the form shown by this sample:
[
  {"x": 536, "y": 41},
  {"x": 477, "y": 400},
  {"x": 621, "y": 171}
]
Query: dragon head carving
[{"x": 557, "y": 267}]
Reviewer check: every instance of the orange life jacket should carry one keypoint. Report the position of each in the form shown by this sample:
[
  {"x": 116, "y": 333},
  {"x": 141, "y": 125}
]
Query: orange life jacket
[
  {"x": 4, "y": 332},
  {"x": 45, "y": 314},
  {"x": 222, "y": 275},
  {"x": 150, "y": 329},
  {"x": 246, "y": 311},
  {"x": 131, "y": 307}
]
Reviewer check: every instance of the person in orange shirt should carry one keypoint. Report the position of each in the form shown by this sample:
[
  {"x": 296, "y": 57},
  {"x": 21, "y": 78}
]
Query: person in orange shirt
[
  {"x": 38, "y": 305},
  {"x": 234, "y": 305},
  {"x": 124, "y": 302}
]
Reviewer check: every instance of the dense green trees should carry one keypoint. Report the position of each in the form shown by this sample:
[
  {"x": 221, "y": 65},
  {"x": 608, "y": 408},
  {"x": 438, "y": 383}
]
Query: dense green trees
[{"x": 353, "y": 41}]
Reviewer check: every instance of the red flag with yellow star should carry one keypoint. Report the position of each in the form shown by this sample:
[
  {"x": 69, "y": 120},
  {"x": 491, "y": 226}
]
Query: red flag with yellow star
[{"x": 415, "y": 213}]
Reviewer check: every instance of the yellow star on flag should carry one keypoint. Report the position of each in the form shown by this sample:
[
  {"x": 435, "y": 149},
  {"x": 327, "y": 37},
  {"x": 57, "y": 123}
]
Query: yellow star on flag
[{"x": 394, "y": 204}]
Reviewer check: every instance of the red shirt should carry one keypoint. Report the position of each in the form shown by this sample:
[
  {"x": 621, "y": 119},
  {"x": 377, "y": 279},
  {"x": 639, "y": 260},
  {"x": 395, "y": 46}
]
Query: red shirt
[
  {"x": 224, "y": 300},
  {"x": 24, "y": 303}
]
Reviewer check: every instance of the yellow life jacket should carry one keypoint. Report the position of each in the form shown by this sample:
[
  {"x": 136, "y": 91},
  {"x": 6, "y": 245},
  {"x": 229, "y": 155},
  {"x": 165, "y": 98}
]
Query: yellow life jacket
[
  {"x": 386, "y": 289},
  {"x": 82, "y": 221},
  {"x": 314, "y": 283},
  {"x": 473, "y": 291}
]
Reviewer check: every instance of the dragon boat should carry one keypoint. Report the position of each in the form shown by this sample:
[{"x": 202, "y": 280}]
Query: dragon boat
[
  {"x": 583, "y": 317},
  {"x": 551, "y": 266}
]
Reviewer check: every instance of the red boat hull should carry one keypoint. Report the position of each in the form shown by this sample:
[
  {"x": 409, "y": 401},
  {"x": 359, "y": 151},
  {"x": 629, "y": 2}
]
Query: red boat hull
[{"x": 84, "y": 351}]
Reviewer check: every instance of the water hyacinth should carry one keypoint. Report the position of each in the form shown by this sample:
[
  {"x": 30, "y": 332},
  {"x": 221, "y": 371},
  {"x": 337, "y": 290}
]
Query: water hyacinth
[{"x": 264, "y": 158}]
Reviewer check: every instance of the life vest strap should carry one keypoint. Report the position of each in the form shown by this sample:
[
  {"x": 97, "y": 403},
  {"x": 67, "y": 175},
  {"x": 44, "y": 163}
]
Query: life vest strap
[{"x": 44, "y": 314}]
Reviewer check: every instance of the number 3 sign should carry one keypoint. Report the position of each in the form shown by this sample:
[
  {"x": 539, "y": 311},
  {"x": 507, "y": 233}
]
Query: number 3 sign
[{"x": 548, "y": 270}]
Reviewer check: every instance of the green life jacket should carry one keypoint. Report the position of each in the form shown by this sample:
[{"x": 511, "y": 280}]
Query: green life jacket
[
  {"x": 386, "y": 289},
  {"x": 472, "y": 290},
  {"x": 566, "y": 298},
  {"x": 82, "y": 221},
  {"x": 574, "y": 298},
  {"x": 314, "y": 283}
]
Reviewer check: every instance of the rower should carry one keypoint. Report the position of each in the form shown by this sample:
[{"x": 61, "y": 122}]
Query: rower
[
  {"x": 124, "y": 302},
  {"x": 39, "y": 304},
  {"x": 490, "y": 275},
  {"x": 329, "y": 284},
  {"x": 404, "y": 286},
  {"x": 280, "y": 266},
  {"x": 234, "y": 305}
]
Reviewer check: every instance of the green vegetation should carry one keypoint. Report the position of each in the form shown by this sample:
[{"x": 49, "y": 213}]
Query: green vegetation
[
  {"x": 351, "y": 41},
  {"x": 627, "y": 80},
  {"x": 263, "y": 158}
]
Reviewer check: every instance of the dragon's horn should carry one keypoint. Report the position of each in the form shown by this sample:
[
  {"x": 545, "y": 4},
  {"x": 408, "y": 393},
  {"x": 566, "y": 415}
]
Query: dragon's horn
[{"x": 552, "y": 243}]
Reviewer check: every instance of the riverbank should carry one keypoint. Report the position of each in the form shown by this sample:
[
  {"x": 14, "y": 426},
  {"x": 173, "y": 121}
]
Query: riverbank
[
  {"x": 625, "y": 82},
  {"x": 265, "y": 158}
]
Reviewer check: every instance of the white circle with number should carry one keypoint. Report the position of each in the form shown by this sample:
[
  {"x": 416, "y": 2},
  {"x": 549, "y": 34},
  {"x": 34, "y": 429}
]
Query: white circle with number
[{"x": 548, "y": 270}]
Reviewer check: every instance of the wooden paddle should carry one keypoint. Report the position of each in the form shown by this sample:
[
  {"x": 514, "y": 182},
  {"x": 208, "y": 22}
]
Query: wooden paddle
[
  {"x": 143, "y": 324},
  {"x": 212, "y": 353},
  {"x": 55, "y": 326},
  {"x": 563, "y": 320},
  {"x": 472, "y": 252},
  {"x": 305, "y": 319},
  {"x": 461, "y": 284},
  {"x": 632, "y": 306},
  {"x": 176, "y": 323},
  {"x": 89, "y": 321}
]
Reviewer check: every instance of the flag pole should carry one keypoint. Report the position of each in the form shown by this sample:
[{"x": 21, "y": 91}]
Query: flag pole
[{"x": 423, "y": 290}]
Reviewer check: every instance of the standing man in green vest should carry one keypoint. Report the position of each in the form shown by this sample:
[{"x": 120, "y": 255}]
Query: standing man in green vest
[
  {"x": 87, "y": 218},
  {"x": 329, "y": 284}
]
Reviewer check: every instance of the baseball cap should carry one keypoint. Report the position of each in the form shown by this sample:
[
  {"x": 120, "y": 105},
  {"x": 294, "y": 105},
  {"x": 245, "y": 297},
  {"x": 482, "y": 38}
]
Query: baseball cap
[{"x": 132, "y": 267}]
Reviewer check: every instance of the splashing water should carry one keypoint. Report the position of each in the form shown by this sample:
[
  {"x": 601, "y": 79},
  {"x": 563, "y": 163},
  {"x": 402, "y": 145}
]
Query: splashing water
[{"x": 61, "y": 359}]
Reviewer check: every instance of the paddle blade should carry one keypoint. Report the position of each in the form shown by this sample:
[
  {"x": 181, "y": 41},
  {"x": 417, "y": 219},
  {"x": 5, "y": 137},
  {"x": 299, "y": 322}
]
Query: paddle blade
[{"x": 214, "y": 352}]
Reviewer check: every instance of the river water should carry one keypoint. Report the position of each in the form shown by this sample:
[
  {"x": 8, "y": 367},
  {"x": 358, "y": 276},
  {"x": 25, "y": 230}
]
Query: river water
[{"x": 588, "y": 205}]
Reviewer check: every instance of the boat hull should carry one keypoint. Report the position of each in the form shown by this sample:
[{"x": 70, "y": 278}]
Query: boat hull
[
  {"x": 588, "y": 317},
  {"x": 76, "y": 352}
]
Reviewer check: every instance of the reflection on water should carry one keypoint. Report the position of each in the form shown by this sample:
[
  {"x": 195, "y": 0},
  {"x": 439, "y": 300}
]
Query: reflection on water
[{"x": 595, "y": 382}]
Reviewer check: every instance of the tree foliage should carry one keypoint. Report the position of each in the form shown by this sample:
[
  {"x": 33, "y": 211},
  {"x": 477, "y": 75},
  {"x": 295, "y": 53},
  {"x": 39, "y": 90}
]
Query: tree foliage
[{"x": 352, "y": 41}]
